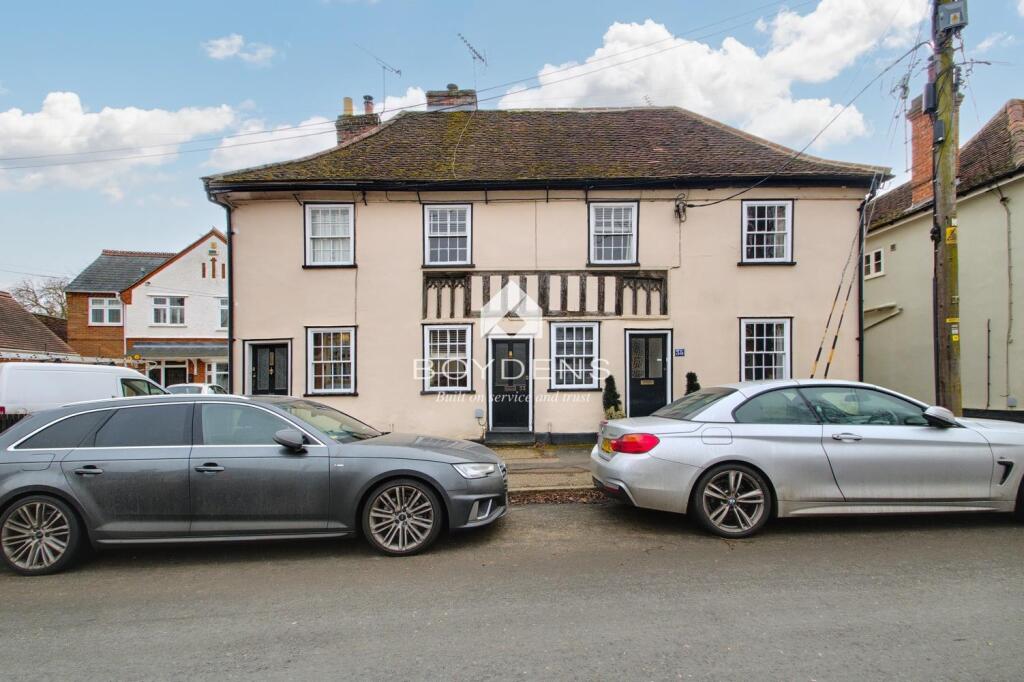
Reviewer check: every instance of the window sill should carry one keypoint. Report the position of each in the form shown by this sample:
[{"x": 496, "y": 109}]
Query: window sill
[
  {"x": 160, "y": 324},
  {"x": 105, "y": 324},
  {"x": 448, "y": 266},
  {"x": 329, "y": 266},
  {"x": 330, "y": 394},
  {"x": 766, "y": 262},
  {"x": 461, "y": 391},
  {"x": 631, "y": 264},
  {"x": 874, "y": 276},
  {"x": 595, "y": 389}
]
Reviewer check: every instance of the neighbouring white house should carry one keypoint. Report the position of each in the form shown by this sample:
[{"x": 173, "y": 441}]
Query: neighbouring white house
[{"x": 165, "y": 312}]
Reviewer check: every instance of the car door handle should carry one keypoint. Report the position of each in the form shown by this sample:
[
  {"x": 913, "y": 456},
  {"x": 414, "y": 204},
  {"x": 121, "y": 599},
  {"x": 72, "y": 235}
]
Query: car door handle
[
  {"x": 89, "y": 470},
  {"x": 846, "y": 436},
  {"x": 209, "y": 468}
]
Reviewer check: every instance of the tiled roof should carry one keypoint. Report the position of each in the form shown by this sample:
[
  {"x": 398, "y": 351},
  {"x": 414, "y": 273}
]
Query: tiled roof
[
  {"x": 57, "y": 325},
  {"x": 117, "y": 270},
  {"x": 21, "y": 331},
  {"x": 995, "y": 151},
  {"x": 519, "y": 147}
]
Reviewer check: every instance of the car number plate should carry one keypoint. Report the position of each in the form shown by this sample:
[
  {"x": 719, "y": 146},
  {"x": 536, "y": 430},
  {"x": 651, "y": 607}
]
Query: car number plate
[{"x": 606, "y": 445}]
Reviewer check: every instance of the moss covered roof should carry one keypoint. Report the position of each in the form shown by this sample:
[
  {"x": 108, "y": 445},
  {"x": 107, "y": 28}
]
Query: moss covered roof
[{"x": 547, "y": 145}]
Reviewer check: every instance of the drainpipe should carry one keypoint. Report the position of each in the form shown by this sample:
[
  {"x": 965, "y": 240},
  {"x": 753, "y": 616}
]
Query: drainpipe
[
  {"x": 1005, "y": 202},
  {"x": 859, "y": 265},
  {"x": 231, "y": 291}
]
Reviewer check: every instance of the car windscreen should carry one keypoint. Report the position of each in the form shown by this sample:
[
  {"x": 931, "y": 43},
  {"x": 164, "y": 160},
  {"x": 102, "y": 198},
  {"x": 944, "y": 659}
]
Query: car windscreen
[
  {"x": 335, "y": 424},
  {"x": 692, "y": 404}
]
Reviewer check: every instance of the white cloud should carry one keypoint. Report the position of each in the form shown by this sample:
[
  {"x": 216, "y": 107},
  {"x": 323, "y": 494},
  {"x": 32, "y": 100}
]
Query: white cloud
[
  {"x": 63, "y": 126},
  {"x": 1020, "y": 7},
  {"x": 282, "y": 143},
  {"x": 733, "y": 82},
  {"x": 234, "y": 46},
  {"x": 996, "y": 40},
  {"x": 414, "y": 99}
]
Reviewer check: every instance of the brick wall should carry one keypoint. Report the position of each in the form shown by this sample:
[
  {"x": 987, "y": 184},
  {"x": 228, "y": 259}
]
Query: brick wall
[{"x": 107, "y": 342}]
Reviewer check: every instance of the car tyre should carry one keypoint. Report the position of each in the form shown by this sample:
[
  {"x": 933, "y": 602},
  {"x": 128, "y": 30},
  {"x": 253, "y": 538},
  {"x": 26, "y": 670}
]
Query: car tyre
[
  {"x": 402, "y": 517},
  {"x": 1018, "y": 510},
  {"x": 732, "y": 500},
  {"x": 40, "y": 535}
]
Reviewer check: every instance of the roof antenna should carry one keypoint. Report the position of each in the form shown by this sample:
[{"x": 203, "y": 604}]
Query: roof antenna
[
  {"x": 384, "y": 68},
  {"x": 475, "y": 55}
]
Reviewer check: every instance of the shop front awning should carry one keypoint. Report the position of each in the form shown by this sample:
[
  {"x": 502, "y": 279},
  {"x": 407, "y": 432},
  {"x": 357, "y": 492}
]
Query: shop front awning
[{"x": 180, "y": 351}]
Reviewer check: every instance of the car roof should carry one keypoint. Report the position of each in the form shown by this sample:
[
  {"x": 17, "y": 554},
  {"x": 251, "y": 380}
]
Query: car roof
[
  {"x": 64, "y": 366},
  {"x": 153, "y": 400}
]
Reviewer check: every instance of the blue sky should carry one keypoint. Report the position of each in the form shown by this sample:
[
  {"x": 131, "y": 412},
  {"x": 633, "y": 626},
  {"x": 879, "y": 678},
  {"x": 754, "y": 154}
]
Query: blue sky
[{"x": 130, "y": 75}]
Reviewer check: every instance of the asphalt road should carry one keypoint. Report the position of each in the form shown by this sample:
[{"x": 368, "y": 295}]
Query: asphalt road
[{"x": 558, "y": 592}]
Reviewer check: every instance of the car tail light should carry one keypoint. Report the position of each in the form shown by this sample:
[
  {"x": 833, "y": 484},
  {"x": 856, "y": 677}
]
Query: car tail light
[
  {"x": 3, "y": 410},
  {"x": 635, "y": 443}
]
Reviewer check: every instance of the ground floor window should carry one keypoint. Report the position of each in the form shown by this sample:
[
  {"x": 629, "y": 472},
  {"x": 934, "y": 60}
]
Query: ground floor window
[
  {"x": 331, "y": 359},
  {"x": 447, "y": 354},
  {"x": 765, "y": 349},
  {"x": 574, "y": 355},
  {"x": 167, "y": 373},
  {"x": 217, "y": 374}
]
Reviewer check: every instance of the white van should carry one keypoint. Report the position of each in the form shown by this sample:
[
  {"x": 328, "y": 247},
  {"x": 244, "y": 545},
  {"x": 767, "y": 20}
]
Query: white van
[{"x": 30, "y": 387}]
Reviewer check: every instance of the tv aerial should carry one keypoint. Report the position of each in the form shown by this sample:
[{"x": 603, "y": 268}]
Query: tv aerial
[
  {"x": 475, "y": 54},
  {"x": 385, "y": 68}
]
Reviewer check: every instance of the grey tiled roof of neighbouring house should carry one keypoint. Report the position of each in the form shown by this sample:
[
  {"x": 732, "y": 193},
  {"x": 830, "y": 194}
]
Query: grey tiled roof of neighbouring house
[
  {"x": 181, "y": 350},
  {"x": 115, "y": 271}
]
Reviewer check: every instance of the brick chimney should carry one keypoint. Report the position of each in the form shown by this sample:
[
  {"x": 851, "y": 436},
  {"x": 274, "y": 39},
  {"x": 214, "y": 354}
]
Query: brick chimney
[
  {"x": 921, "y": 169},
  {"x": 349, "y": 125},
  {"x": 451, "y": 99}
]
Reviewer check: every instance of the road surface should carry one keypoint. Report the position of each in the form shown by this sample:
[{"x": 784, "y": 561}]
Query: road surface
[{"x": 554, "y": 591}]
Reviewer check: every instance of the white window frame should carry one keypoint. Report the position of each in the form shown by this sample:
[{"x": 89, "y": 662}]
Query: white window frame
[
  {"x": 869, "y": 264},
  {"x": 213, "y": 369},
  {"x": 594, "y": 357},
  {"x": 787, "y": 256},
  {"x": 787, "y": 352},
  {"x": 308, "y": 230},
  {"x": 311, "y": 364},
  {"x": 167, "y": 308},
  {"x": 427, "y": 208},
  {"x": 103, "y": 303},
  {"x": 222, "y": 311},
  {"x": 427, "y": 329},
  {"x": 634, "y": 232}
]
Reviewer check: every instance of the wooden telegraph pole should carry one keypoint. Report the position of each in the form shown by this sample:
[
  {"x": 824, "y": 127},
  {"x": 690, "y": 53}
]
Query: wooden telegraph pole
[{"x": 948, "y": 18}]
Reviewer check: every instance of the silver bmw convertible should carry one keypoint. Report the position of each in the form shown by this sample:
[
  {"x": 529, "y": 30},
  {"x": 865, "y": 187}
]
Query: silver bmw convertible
[
  {"x": 209, "y": 468},
  {"x": 737, "y": 455}
]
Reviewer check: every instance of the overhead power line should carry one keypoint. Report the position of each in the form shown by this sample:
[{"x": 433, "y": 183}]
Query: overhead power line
[{"x": 507, "y": 84}]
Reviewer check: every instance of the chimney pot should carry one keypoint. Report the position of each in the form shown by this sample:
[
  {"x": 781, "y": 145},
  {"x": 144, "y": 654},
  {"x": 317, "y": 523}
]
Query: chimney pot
[
  {"x": 367, "y": 104},
  {"x": 347, "y": 106}
]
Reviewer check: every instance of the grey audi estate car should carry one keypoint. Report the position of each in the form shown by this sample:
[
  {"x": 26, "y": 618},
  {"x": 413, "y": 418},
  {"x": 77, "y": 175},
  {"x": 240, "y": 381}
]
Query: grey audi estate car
[
  {"x": 735, "y": 456},
  {"x": 198, "y": 468}
]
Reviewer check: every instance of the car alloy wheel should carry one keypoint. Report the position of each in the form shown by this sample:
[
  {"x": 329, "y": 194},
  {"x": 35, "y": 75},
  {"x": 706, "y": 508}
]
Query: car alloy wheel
[
  {"x": 38, "y": 535},
  {"x": 402, "y": 518},
  {"x": 734, "y": 501}
]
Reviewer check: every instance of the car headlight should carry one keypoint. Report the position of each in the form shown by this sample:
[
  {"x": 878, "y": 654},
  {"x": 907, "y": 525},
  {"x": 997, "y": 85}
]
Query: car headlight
[{"x": 475, "y": 469}]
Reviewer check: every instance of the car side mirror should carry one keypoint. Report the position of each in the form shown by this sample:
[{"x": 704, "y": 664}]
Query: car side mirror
[
  {"x": 291, "y": 439},
  {"x": 940, "y": 416}
]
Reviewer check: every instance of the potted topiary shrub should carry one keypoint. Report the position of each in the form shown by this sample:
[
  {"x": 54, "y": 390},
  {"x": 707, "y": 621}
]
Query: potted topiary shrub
[
  {"x": 692, "y": 385},
  {"x": 611, "y": 401}
]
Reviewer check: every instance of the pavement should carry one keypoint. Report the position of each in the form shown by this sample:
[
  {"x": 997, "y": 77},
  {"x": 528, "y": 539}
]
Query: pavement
[
  {"x": 545, "y": 468},
  {"x": 567, "y": 592}
]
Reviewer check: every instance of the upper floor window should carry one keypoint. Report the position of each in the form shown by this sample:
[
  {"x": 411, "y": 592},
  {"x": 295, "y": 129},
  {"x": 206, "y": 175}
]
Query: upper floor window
[
  {"x": 447, "y": 234},
  {"x": 613, "y": 233},
  {"x": 168, "y": 310},
  {"x": 764, "y": 349},
  {"x": 330, "y": 234},
  {"x": 223, "y": 313},
  {"x": 104, "y": 312},
  {"x": 767, "y": 232},
  {"x": 874, "y": 264}
]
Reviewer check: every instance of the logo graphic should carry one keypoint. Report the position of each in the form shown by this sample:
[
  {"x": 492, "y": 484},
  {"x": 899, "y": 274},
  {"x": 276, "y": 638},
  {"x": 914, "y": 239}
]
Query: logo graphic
[{"x": 511, "y": 312}]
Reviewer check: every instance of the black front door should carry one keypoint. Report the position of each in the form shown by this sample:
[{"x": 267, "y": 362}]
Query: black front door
[
  {"x": 648, "y": 372},
  {"x": 511, "y": 393},
  {"x": 269, "y": 369}
]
